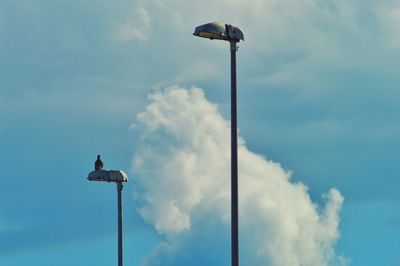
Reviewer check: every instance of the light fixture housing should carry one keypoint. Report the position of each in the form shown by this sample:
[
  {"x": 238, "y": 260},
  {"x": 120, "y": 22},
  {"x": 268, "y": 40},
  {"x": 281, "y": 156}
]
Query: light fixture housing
[
  {"x": 219, "y": 31},
  {"x": 108, "y": 176}
]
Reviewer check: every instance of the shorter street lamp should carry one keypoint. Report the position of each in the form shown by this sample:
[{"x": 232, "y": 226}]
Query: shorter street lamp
[{"x": 118, "y": 177}]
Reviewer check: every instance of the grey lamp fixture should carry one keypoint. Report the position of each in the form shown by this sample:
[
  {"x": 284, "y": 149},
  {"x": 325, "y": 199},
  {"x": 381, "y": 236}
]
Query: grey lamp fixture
[
  {"x": 118, "y": 177},
  {"x": 226, "y": 32},
  {"x": 108, "y": 176},
  {"x": 219, "y": 31}
]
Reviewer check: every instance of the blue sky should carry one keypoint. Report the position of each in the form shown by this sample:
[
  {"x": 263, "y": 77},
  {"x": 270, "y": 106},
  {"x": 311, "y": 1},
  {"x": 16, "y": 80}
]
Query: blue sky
[{"x": 317, "y": 93}]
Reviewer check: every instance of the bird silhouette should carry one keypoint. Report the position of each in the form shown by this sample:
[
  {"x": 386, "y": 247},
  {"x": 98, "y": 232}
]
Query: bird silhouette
[{"x": 98, "y": 164}]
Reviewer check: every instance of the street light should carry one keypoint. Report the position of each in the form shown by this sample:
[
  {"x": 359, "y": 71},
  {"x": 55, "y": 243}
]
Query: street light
[
  {"x": 118, "y": 177},
  {"x": 233, "y": 35}
]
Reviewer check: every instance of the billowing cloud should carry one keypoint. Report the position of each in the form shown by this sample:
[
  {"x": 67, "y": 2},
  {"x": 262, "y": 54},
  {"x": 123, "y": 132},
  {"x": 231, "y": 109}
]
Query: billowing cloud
[{"x": 182, "y": 171}]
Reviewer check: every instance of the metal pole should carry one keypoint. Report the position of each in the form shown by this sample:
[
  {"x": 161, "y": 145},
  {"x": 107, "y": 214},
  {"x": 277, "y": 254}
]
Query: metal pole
[
  {"x": 234, "y": 162},
  {"x": 119, "y": 189}
]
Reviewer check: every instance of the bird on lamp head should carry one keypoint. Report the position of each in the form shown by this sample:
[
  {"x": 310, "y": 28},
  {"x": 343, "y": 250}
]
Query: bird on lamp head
[{"x": 98, "y": 164}]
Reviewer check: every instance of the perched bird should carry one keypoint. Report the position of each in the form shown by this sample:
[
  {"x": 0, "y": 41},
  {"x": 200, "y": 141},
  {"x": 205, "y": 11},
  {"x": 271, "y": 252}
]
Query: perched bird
[{"x": 98, "y": 164}]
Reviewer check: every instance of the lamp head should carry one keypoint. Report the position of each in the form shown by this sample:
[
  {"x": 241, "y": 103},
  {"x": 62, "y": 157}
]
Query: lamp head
[
  {"x": 108, "y": 176},
  {"x": 219, "y": 31}
]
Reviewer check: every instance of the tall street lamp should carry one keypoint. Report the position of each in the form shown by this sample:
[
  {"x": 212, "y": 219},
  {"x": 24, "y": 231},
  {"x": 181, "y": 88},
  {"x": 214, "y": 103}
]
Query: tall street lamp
[
  {"x": 118, "y": 177},
  {"x": 233, "y": 35}
]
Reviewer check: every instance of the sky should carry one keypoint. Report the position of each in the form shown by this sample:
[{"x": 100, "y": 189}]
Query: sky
[{"x": 317, "y": 118}]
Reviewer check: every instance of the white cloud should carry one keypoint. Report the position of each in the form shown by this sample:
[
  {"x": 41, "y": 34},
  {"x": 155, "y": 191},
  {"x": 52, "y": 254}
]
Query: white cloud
[
  {"x": 137, "y": 27},
  {"x": 182, "y": 169},
  {"x": 287, "y": 41},
  {"x": 389, "y": 17},
  {"x": 304, "y": 44}
]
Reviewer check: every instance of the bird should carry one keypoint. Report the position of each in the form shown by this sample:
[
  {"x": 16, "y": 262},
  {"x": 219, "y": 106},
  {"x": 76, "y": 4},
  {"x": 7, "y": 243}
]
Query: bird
[{"x": 98, "y": 164}]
